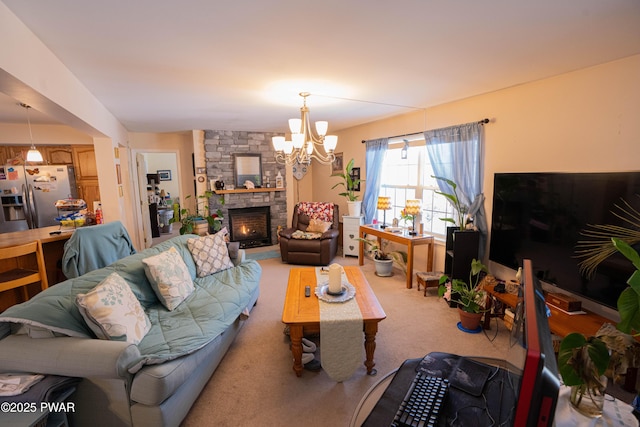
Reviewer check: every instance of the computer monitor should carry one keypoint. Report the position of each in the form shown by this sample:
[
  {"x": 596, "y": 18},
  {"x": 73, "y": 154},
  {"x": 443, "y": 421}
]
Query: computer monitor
[{"x": 531, "y": 337}]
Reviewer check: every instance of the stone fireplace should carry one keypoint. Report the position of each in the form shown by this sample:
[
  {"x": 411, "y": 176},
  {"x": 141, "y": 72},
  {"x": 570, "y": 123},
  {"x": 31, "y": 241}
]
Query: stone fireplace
[
  {"x": 250, "y": 226},
  {"x": 219, "y": 149}
]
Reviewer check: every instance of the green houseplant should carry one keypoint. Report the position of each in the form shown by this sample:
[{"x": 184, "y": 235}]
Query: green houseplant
[
  {"x": 189, "y": 219},
  {"x": 350, "y": 183},
  {"x": 469, "y": 297},
  {"x": 584, "y": 361},
  {"x": 384, "y": 260},
  {"x": 460, "y": 210}
]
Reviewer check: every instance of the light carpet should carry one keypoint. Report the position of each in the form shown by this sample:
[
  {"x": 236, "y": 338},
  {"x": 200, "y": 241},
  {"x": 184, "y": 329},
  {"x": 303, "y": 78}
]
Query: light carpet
[{"x": 255, "y": 385}]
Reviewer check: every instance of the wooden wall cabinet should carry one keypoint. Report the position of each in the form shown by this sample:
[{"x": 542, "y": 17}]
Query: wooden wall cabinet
[
  {"x": 86, "y": 169},
  {"x": 461, "y": 248},
  {"x": 57, "y": 155},
  {"x": 84, "y": 159}
]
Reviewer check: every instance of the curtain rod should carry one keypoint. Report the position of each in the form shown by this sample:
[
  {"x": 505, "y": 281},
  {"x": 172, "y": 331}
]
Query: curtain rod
[{"x": 481, "y": 122}]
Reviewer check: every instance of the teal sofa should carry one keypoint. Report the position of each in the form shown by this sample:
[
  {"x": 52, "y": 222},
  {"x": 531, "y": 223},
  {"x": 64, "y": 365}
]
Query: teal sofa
[{"x": 153, "y": 383}]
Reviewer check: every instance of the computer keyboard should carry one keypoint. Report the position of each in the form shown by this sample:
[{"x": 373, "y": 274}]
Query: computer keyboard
[{"x": 423, "y": 402}]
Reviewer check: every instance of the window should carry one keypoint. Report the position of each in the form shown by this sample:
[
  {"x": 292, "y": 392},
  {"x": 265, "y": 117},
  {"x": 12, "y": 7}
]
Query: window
[{"x": 410, "y": 178}]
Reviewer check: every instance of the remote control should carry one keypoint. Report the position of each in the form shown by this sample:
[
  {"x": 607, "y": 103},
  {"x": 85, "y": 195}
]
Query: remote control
[{"x": 307, "y": 291}]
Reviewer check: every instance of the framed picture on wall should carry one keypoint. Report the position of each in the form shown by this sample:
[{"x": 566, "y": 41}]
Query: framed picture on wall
[
  {"x": 164, "y": 175},
  {"x": 355, "y": 175},
  {"x": 337, "y": 165}
]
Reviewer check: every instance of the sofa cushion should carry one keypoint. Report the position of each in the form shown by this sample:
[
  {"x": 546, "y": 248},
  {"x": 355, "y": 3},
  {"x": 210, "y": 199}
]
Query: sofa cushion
[
  {"x": 112, "y": 311},
  {"x": 210, "y": 254},
  {"x": 318, "y": 226},
  {"x": 169, "y": 277}
]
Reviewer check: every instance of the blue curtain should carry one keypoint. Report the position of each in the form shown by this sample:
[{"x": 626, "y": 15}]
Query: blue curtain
[
  {"x": 457, "y": 153},
  {"x": 375, "y": 151}
]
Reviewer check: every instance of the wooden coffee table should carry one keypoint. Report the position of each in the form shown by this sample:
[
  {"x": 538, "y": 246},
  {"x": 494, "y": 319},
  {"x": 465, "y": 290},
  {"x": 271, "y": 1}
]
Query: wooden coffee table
[{"x": 302, "y": 314}]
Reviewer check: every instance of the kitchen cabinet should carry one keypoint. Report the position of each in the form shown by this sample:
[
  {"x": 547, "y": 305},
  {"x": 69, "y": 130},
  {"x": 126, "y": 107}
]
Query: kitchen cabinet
[
  {"x": 84, "y": 159},
  {"x": 57, "y": 155},
  {"x": 89, "y": 191}
]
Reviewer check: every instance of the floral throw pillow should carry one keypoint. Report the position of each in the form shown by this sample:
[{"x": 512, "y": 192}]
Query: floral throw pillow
[
  {"x": 112, "y": 311},
  {"x": 210, "y": 254},
  {"x": 169, "y": 277}
]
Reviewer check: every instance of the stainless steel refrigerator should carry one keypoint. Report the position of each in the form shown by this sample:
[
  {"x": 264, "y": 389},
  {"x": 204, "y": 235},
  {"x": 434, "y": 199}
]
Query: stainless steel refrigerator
[{"x": 29, "y": 194}]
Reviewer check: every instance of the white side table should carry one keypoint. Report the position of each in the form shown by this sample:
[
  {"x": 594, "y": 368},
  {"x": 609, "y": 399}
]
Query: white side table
[{"x": 350, "y": 229}]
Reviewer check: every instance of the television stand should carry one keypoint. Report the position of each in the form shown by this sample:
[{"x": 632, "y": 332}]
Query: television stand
[{"x": 560, "y": 323}]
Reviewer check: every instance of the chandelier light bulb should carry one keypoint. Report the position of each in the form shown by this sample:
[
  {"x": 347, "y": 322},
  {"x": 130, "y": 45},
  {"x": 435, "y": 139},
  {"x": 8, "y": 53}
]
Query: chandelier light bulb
[
  {"x": 298, "y": 140},
  {"x": 321, "y": 128},
  {"x": 278, "y": 143},
  {"x": 295, "y": 126},
  {"x": 288, "y": 147},
  {"x": 330, "y": 143}
]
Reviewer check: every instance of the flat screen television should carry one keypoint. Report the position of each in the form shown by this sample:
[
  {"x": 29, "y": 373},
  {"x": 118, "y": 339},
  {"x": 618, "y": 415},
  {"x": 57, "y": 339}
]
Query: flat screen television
[{"x": 540, "y": 216}]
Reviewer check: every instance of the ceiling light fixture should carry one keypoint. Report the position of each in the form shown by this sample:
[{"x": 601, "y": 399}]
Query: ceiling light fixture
[
  {"x": 304, "y": 145},
  {"x": 403, "y": 152},
  {"x": 33, "y": 155}
]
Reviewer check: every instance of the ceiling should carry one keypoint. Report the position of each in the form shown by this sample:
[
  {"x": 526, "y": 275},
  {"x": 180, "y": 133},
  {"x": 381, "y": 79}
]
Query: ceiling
[{"x": 163, "y": 66}]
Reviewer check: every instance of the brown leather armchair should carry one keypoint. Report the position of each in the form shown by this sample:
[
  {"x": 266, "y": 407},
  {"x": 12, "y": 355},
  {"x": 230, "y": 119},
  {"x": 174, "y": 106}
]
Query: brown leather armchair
[{"x": 309, "y": 252}]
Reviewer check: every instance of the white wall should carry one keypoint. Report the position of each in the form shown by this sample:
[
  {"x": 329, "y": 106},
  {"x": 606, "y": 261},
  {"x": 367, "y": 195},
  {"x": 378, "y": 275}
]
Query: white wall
[
  {"x": 587, "y": 120},
  {"x": 165, "y": 161}
]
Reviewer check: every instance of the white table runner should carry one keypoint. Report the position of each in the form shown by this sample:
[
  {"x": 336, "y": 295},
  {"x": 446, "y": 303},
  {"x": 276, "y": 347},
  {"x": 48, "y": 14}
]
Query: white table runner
[{"x": 341, "y": 335}]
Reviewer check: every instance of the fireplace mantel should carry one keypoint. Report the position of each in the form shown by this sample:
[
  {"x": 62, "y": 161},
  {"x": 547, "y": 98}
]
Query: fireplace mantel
[{"x": 248, "y": 190}]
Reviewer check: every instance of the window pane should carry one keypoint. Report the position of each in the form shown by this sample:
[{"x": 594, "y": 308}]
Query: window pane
[{"x": 410, "y": 178}]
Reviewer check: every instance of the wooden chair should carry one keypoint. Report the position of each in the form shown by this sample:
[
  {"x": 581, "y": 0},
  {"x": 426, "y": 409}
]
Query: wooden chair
[{"x": 22, "y": 270}]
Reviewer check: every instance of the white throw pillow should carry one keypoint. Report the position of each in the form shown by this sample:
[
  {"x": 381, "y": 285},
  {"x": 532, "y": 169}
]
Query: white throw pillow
[
  {"x": 210, "y": 254},
  {"x": 169, "y": 277},
  {"x": 112, "y": 311}
]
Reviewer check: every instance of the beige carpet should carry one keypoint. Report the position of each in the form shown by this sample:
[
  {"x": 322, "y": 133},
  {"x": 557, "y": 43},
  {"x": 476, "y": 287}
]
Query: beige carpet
[{"x": 256, "y": 386}]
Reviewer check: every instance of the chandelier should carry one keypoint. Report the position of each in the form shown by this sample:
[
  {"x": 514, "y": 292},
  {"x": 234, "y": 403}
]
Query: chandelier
[{"x": 304, "y": 144}]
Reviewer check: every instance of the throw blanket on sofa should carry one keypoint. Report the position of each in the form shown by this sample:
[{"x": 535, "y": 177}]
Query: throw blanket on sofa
[{"x": 216, "y": 302}]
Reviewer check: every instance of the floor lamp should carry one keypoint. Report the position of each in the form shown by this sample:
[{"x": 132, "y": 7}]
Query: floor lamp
[{"x": 384, "y": 204}]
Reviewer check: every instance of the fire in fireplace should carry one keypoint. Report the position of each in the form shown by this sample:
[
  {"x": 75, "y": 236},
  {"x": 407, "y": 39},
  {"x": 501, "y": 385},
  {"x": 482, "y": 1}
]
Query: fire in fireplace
[{"x": 250, "y": 226}]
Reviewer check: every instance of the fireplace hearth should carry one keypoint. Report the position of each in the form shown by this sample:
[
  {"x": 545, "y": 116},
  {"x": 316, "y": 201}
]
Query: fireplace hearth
[{"x": 251, "y": 227}]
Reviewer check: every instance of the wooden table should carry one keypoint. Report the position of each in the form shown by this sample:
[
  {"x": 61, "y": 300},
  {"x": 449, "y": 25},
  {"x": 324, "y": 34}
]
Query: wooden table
[
  {"x": 302, "y": 314},
  {"x": 52, "y": 248},
  {"x": 560, "y": 323},
  {"x": 403, "y": 238}
]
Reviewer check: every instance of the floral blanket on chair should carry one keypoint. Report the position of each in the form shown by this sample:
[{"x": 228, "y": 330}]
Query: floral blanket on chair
[{"x": 317, "y": 210}]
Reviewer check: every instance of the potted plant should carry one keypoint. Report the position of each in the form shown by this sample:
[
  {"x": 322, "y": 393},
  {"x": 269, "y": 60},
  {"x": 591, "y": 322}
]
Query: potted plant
[
  {"x": 460, "y": 209},
  {"x": 189, "y": 219},
  {"x": 584, "y": 362},
  {"x": 349, "y": 182},
  {"x": 469, "y": 297},
  {"x": 384, "y": 260}
]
